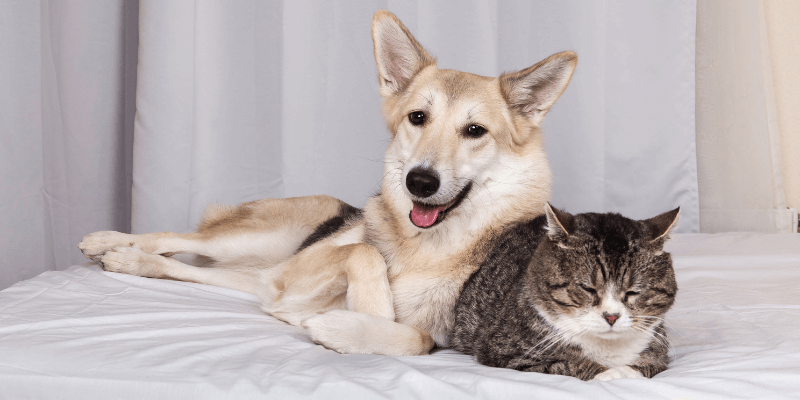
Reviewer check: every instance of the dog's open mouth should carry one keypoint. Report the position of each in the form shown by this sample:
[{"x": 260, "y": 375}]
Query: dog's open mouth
[{"x": 427, "y": 215}]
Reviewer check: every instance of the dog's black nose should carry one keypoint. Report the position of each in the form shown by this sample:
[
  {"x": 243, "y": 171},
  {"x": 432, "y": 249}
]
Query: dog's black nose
[{"x": 422, "y": 182}]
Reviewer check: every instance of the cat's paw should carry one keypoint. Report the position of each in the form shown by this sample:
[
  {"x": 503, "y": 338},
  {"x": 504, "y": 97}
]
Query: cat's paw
[
  {"x": 619, "y": 373},
  {"x": 131, "y": 261},
  {"x": 95, "y": 245}
]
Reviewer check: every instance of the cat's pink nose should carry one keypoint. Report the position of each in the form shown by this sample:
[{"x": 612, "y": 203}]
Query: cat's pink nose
[{"x": 611, "y": 318}]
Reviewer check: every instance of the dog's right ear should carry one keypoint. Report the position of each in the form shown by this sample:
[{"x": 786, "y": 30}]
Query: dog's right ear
[
  {"x": 398, "y": 55},
  {"x": 532, "y": 91}
]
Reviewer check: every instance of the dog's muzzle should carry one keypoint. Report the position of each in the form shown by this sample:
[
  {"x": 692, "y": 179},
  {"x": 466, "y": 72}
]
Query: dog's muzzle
[{"x": 427, "y": 215}]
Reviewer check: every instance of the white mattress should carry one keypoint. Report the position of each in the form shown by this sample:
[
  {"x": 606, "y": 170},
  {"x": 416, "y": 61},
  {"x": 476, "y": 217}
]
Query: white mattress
[{"x": 84, "y": 333}]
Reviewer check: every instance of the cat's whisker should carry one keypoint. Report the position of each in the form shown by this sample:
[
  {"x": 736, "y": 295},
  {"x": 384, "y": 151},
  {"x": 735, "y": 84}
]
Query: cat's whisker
[
  {"x": 549, "y": 337},
  {"x": 658, "y": 337},
  {"x": 668, "y": 325},
  {"x": 662, "y": 337},
  {"x": 562, "y": 336},
  {"x": 648, "y": 319},
  {"x": 558, "y": 340}
]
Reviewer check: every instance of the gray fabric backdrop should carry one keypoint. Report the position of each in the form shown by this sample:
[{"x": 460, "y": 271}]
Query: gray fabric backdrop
[
  {"x": 238, "y": 101},
  {"x": 67, "y": 104},
  {"x": 248, "y": 99}
]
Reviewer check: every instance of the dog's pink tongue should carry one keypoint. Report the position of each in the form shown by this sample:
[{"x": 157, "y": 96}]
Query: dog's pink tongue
[{"x": 424, "y": 217}]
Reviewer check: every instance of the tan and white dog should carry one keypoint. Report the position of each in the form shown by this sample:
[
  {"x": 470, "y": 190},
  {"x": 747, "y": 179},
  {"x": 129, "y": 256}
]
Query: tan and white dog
[{"x": 466, "y": 158}]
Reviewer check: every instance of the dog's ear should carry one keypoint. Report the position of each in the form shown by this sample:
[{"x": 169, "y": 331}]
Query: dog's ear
[
  {"x": 534, "y": 90},
  {"x": 398, "y": 55}
]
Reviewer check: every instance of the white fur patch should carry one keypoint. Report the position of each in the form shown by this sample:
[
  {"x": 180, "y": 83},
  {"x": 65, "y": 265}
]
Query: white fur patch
[
  {"x": 619, "y": 373},
  {"x": 612, "y": 346},
  {"x": 355, "y": 333},
  {"x": 614, "y": 352},
  {"x": 252, "y": 249},
  {"x": 351, "y": 236}
]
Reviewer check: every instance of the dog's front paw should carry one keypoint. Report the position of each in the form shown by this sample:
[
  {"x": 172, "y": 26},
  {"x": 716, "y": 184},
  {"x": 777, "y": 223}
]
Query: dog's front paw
[
  {"x": 355, "y": 333},
  {"x": 131, "y": 261},
  {"x": 331, "y": 329},
  {"x": 619, "y": 373},
  {"x": 95, "y": 245}
]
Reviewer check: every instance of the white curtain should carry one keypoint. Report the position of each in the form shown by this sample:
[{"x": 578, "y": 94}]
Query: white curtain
[
  {"x": 249, "y": 99},
  {"x": 239, "y": 100},
  {"x": 740, "y": 166},
  {"x": 783, "y": 35},
  {"x": 67, "y": 92}
]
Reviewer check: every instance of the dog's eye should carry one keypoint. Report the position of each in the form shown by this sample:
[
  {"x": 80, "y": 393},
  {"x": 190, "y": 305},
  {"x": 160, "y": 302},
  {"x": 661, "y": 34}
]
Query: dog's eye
[
  {"x": 417, "y": 118},
  {"x": 475, "y": 131}
]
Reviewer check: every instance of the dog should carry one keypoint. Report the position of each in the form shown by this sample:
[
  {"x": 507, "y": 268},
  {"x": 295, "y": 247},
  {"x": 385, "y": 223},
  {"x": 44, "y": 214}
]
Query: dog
[{"x": 466, "y": 158}]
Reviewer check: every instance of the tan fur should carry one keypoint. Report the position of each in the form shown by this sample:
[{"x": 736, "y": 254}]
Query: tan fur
[
  {"x": 269, "y": 214},
  {"x": 381, "y": 284}
]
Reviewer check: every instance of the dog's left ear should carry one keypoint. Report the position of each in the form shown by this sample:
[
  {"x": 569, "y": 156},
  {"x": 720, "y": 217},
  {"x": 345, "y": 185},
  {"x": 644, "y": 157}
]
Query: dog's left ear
[
  {"x": 534, "y": 90},
  {"x": 398, "y": 55}
]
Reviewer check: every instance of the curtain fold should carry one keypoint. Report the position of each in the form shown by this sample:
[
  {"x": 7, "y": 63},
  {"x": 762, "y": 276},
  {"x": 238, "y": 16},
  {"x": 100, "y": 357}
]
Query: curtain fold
[
  {"x": 116, "y": 115},
  {"x": 67, "y": 90},
  {"x": 245, "y": 100},
  {"x": 740, "y": 169},
  {"x": 783, "y": 35},
  {"x": 674, "y": 103},
  {"x": 622, "y": 136}
]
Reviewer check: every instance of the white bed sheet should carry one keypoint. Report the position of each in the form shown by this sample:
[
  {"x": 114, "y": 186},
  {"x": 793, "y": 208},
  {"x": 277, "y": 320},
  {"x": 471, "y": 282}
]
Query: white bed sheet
[{"x": 84, "y": 333}]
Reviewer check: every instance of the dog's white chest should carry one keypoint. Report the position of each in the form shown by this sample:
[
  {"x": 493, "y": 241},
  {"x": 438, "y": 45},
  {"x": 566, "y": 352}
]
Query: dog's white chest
[
  {"x": 426, "y": 303},
  {"x": 425, "y": 294}
]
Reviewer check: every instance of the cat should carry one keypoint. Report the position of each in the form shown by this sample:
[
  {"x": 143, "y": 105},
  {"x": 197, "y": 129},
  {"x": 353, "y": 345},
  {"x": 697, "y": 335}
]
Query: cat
[{"x": 581, "y": 296}]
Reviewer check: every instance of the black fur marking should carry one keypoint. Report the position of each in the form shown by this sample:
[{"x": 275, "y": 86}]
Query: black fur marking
[
  {"x": 347, "y": 213},
  {"x": 663, "y": 291},
  {"x": 557, "y": 286},
  {"x": 562, "y": 303}
]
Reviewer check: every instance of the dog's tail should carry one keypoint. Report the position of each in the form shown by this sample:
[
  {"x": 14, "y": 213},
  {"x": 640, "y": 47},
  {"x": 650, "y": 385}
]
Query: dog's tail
[{"x": 357, "y": 333}]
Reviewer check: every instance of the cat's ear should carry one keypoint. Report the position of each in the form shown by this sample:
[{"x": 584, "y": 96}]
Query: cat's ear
[
  {"x": 661, "y": 225},
  {"x": 532, "y": 91},
  {"x": 560, "y": 224},
  {"x": 398, "y": 55}
]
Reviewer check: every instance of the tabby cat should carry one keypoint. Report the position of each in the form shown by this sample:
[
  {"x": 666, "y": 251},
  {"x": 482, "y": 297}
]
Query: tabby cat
[{"x": 581, "y": 295}]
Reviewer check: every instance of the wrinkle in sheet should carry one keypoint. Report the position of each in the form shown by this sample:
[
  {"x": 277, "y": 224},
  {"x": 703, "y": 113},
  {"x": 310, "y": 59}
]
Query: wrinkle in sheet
[{"x": 731, "y": 338}]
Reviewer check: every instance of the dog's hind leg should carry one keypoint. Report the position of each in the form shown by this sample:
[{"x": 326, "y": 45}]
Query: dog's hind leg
[
  {"x": 95, "y": 245},
  {"x": 134, "y": 261},
  {"x": 259, "y": 233},
  {"x": 367, "y": 325},
  {"x": 241, "y": 248},
  {"x": 315, "y": 276}
]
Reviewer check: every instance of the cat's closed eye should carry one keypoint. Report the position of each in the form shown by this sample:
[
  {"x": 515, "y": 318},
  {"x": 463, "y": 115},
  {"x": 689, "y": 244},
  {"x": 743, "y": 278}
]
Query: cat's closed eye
[
  {"x": 589, "y": 290},
  {"x": 630, "y": 296}
]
